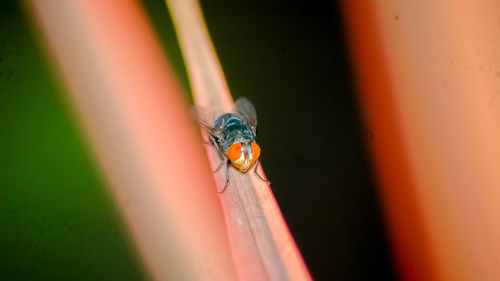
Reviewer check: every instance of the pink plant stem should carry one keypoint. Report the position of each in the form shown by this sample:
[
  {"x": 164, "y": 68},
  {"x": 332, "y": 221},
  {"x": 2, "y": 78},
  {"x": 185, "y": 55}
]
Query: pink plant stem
[{"x": 261, "y": 243}]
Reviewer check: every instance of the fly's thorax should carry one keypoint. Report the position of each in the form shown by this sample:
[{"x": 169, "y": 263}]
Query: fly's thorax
[
  {"x": 234, "y": 130},
  {"x": 243, "y": 155}
]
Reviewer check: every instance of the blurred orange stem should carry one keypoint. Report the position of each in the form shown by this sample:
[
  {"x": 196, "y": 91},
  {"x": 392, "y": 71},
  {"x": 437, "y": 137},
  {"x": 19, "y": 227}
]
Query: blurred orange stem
[{"x": 428, "y": 75}]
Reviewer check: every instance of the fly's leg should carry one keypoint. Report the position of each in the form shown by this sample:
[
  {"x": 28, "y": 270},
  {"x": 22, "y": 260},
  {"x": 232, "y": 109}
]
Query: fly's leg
[
  {"x": 218, "y": 167},
  {"x": 260, "y": 177},
  {"x": 218, "y": 147},
  {"x": 227, "y": 178},
  {"x": 211, "y": 140},
  {"x": 214, "y": 143},
  {"x": 220, "y": 152}
]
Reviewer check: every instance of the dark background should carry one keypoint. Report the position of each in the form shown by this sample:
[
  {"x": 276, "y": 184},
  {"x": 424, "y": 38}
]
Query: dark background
[{"x": 290, "y": 58}]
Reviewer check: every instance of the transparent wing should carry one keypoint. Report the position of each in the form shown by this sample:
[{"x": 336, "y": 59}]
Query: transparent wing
[
  {"x": 244, "y": 108},
  {"x": 204, "y": 117}
]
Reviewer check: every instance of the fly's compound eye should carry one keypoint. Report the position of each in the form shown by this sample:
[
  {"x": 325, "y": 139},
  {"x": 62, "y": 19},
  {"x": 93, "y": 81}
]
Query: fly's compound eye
[
  {"x": 255, "y": 151},
  {"x": 234, "y": 152}
]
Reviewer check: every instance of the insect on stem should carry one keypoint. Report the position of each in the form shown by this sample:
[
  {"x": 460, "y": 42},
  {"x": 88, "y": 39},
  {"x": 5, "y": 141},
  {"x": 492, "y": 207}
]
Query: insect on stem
[{"x": 233, "y": 135}]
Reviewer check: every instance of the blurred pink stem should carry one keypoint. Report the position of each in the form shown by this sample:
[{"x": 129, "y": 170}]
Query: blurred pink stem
[{"x": 138, "y": 124}]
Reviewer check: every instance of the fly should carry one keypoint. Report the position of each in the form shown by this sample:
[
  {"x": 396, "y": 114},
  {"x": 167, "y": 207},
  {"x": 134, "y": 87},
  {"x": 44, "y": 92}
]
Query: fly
[{"x": 233, "y": 136}]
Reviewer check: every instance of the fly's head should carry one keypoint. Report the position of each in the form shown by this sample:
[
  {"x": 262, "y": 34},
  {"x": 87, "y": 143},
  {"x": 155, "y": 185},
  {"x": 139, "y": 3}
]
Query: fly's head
[{"x": 243, "y": 155}]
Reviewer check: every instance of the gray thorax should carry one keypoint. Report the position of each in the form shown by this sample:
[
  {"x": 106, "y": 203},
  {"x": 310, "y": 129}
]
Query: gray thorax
[{"x": 230, "y": 128}]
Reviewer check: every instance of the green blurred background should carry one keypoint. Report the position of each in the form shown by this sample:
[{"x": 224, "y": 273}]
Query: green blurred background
[{"x": 57, "y": 220}]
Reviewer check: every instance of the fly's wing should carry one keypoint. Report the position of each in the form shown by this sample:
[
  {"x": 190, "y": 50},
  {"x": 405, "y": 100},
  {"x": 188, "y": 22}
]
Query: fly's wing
[
  {"x": 204, "y": 117},
  {"x": 244, "y": 108}
]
